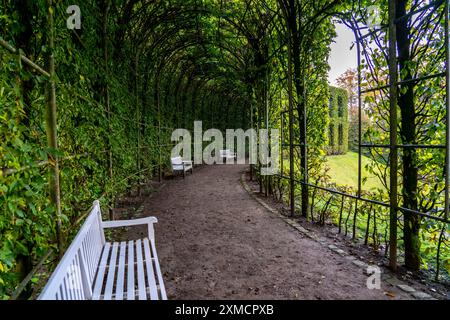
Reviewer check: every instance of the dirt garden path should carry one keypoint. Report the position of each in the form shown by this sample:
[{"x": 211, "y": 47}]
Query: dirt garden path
[{"x": 215, "y": 241}]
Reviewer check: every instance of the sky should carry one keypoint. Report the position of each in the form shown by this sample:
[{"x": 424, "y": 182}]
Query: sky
[{"x": 341, "y": 58}]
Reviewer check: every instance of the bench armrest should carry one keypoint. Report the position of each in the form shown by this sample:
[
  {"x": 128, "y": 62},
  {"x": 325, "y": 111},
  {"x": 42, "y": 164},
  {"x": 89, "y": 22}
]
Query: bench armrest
[
  {"x": 187, "y": 161},
  {"x": 134, "y": 222}
]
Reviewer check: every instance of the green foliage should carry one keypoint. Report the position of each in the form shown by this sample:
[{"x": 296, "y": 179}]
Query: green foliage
[
  {"x": 87, "y": 133},
  {"x": 428, "y": 125}
]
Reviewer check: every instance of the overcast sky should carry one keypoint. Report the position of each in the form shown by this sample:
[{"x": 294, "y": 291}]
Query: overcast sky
[{"x": 341, "y": 58}]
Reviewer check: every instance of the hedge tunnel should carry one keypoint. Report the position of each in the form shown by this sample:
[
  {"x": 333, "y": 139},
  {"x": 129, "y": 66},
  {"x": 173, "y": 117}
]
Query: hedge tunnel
[{"x": 87, "y": 113}]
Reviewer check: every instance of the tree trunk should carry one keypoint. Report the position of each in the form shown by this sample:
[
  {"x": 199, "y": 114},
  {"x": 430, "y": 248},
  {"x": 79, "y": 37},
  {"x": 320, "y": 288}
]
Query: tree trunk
[{"x": 408, "y": 135}]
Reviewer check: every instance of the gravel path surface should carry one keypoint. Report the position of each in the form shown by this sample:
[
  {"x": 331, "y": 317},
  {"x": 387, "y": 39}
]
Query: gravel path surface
[{"x": 215, "y": 241}]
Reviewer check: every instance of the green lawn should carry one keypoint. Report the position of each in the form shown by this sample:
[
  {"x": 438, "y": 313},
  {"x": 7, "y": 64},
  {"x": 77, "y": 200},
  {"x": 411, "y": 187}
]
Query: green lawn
[{"x": 344, "y": 171}]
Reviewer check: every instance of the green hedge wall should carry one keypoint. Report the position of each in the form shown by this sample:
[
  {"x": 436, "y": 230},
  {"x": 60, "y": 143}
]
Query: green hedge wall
[{"x": 338, "y": 127}]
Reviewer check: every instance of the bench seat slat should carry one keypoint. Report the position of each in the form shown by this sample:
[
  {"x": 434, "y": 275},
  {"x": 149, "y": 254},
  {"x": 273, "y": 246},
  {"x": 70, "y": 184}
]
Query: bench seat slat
[
  {"x": 111, "y": 272},
  {"x": 140, "y": 270},
  {"x": 130, "y": 273},
  {"x": 121, "y": 272},
  {"x": 101, "y": 272},
  {"x": 150, "y": 272}
]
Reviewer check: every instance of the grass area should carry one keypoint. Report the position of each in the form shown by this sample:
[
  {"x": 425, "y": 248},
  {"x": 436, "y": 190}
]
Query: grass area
[{"x": 344, "y": 171}]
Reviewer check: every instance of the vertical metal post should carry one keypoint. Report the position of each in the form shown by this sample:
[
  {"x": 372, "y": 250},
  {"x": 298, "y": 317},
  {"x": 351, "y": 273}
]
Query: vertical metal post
[
  {"x": 110, "y": 156},
  {"x": 138, "y": 122},
  {"x": 251, "y": 126},
  {"x": 157, "y": 101},
  {"x": 291, "y": 131},
  {"x": 447, "y": 107},
  {"x": 51, "y": 128},
  {"x": 281, "y": 133},
  {"x": 107, "y": 100},
  {"x": 267, "y": 178},
  {"x": 260, "y": 124},
  {"x": 393, "y": 154},
  {"x": 358, "y": 48},
  {"x": 304, "y": 152},
  {"x": 447, "y": 132},
  {"x": 159, "y": 138},
  {"x": 212, "y": 112}
]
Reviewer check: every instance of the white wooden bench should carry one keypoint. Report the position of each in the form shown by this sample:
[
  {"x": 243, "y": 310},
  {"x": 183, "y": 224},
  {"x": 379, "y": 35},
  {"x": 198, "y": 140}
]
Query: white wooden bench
[
  {"x": 227, "y": 154},
  {"x": 178, "y": 164},
  {"x": 93, "y": 269}
]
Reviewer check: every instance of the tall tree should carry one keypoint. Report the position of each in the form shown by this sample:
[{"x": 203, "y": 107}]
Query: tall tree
[
  {"x": 408, "y": 135},
  {"x": 349, "y": 81}
]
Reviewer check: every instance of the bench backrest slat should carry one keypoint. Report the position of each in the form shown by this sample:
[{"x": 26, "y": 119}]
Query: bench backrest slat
[{"x": 74, "y": 276}]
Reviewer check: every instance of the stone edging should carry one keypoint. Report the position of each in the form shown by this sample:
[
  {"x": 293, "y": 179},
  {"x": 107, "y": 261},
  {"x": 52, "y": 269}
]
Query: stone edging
[{"x": 389, "y": 278}]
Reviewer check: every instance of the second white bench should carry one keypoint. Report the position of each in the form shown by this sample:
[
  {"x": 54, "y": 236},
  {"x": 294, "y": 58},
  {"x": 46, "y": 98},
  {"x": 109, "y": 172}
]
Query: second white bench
[
  {"x": 227, "y": 154},
  {"x": 178, "y": 164}
]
